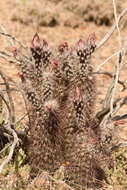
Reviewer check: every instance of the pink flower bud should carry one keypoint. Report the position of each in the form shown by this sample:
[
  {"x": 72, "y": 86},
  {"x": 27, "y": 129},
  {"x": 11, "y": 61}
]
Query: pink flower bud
[
  {"x": 55, "y": 63},
  {"x": 45, "y": 43},
  {"x": 20, "y": 74},
  {"x": 63, "y": 46},
  {"x": 14, "y": 50},
  {"x": 36, "y": 41},
  {"x": 78, "y": 94}
]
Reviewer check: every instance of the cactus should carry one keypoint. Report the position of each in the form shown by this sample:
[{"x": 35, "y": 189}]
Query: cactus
[{"x": 60, "y": 88}]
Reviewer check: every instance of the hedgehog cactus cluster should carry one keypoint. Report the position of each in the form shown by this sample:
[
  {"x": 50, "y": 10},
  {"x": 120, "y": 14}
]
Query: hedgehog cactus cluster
[{"x": 59, "y": 85}]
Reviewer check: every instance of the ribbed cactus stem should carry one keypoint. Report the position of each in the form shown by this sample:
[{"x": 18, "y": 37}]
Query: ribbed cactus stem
[{"x": 60, "y": 88}]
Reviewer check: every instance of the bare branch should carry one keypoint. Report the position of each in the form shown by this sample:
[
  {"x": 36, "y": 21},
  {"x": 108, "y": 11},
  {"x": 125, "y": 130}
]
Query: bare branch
[
  {"x": 11, "y": 104},
  {"x": 7, "y": 105},
  {"x": 118, "y": 66},
  {"x": 19, "y": 88},
  {"x": 120, "y": 145},
  {"x": 12, "y": 148},
  {"x": 6, "y": 147},
  {"x": 8, "y": 57},
  {"x": 108, "y": 59},
  {"x": 122, "y": 102},
  {"x": 112, "y": 88},
  {"x": 111, "y": 76},
  {"x": 117, "y": 23},
  {"x": 12, "y": 40},
  {"x": 119, "y": 117},
  {"x": 21, "y": 118},
  {"x": 118, "y": 103},
  {"x": 110, "y": 106},
  {"x": 109, "y": 34}
]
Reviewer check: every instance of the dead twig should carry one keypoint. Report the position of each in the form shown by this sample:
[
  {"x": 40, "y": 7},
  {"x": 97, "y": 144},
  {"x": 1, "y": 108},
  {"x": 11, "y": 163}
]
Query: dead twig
[
  {"x": 7, "y": 137},
  {"x": 112, "y": 87},
  {"x": 12, "y": 148},
  {"x": 9, "y": 131},
  {"x": 12, "y": 40},
  {"x": 5, "y": 148},
  {"x": 108, "y": 59},
  {"x": 117, "y": 23},
  {"x": 119, "y": 117},
  {"x": 7, "y": 105},
  {"x": 118, "y": 103},
  {"x": 8, "y": 57},
  {"x": 21, "y": 118},
  {"x": 111, "y": 76},
  {"x": 11, "y": 104},
  {"x": 111, "y": 106},
  {"x": 19, "y": 88},
  {"x": 122, "y": 102},
  {"x": 111, "y": 31},
  {"x": 10, "y": 122},
  {"x": 120, "y": 145},
  {"x": 119, "y": 63}
]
